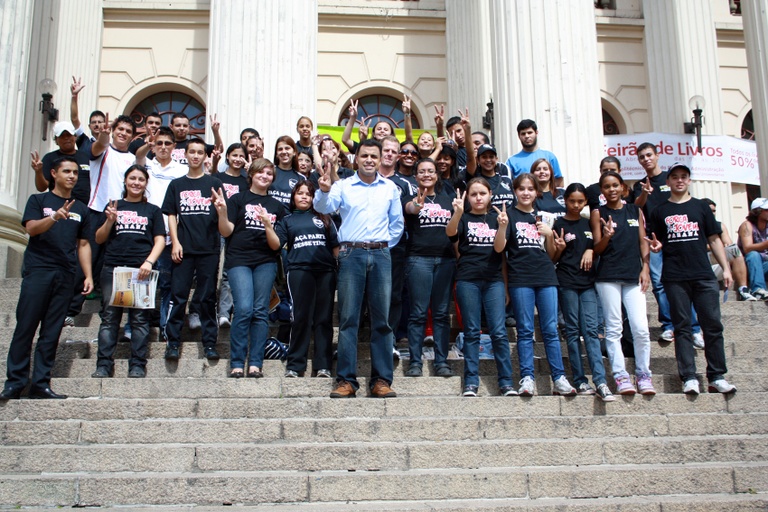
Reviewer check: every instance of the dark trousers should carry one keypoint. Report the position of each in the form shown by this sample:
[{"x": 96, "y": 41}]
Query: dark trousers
[
  {"x": 312, "y": 295},
  {"x": 205, "y": 268},
  {"x": 43, "y": 301},
  {"x": 110, "y": 324},
  {"x": 97, "y": 261},
  {"x": 397, "y": 255},
  {"x": 705, "y": 297}
]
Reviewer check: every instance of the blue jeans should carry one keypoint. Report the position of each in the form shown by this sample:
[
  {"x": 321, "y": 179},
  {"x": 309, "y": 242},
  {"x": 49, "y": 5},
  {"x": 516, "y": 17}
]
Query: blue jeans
[
  {"x": 364, "y": 273},
  {"x": 251, "y": 288},
  {"x": 580, "y": 312},
  {"x": 756, "y": 270},
  {"x": 429, "y": 280},
  {"x": 665, "y": 318},
  {"x": 544, "y": 299},
  {"x": 488, "y": 295}
]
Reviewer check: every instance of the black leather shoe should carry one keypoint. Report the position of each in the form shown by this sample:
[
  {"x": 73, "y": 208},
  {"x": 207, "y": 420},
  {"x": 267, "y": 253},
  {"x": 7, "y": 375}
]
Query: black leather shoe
[
  {"x": 45, "y": 393},
  {"x": 10, "y": 394},
  {"x": 211, "y": 354},
  {"x": 172, "y": 353}
]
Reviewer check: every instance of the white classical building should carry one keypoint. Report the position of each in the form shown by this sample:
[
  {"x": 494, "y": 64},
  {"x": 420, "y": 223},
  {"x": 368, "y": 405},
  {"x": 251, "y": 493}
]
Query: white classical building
[{"x": 580, "y": 68}]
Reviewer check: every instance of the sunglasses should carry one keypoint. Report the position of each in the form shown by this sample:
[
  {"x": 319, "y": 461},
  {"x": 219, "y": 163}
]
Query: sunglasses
[
  {"x": 164, "y": 143},
  {"x": 409, "y": 152}
]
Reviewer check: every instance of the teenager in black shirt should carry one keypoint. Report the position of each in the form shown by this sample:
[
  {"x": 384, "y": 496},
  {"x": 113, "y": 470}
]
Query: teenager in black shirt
[
  {"x": 551, "y": 199},
  {"x": 578, "y": 299},
  {"x": 480, "y": 235},
  {"x": 429, "y": 267},
  {"x": 57, "y": 226},
  {"x": 681, "y": 228},
  {"x": 312, "y": 246},
  {"x": 247, "y": 221},
  {"x": 286, "y": 174},
  {"x": 623, "y": 276},
  {"x": 135, "y": 236}
]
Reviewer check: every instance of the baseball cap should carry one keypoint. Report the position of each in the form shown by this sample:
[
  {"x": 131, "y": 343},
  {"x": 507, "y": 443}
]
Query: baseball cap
[
  {"x": 761, "y": 203},
  {"x": 63, "y": 126},
  {"x": 486, "y": 148}
]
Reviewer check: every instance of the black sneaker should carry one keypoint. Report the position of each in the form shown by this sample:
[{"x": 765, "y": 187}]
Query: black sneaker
[
  {"x": 414, "y": 371},
  {"x": 507, "y": 391},
  {"x": 211, "y": 354},
  {"x": 469, "y": 391},
  {"x": 172, "y": 353},
  {"x": 101, "y": 373},
  {"x": 137, "y": 372}
]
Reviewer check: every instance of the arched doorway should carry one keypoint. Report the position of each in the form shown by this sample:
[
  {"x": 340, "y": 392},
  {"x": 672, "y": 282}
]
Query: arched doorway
[
  {"x": 168, "y": 103},
  {"x": 379, "y": 107}
]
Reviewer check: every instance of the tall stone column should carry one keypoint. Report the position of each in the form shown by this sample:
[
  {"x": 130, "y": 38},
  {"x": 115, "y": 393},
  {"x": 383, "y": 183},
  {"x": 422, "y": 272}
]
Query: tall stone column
[
  {"x": 15, "y": 33},
  {"x": 262, "y": 66},
  {"x": 754, "y": 14},
  {"x": 681, "y": 49},
  {"x": 468, "y": 53},
  {"x": 546, "y": 69}
]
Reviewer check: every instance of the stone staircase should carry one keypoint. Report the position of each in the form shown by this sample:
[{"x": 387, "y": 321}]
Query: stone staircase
[{"x": 189, "y": 437}]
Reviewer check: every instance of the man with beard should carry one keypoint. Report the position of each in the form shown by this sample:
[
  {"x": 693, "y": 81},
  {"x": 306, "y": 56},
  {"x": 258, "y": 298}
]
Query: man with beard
[{"x": 528, "y": 133}]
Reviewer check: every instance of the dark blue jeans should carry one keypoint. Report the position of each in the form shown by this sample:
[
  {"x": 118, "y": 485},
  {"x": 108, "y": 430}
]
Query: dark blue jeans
[
  {"x": 487, "y": 296},
  {"x": 580, "y": 309},
  {"x": 251, "y": 289},
  {"x": 364, "y": 273},
  {"x": 429, "y": 281},
  {"x": 544, "y": 299}
]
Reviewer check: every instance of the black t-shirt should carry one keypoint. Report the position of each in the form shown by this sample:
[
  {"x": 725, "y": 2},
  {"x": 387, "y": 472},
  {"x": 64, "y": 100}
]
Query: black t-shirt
[
  {"x": 82, "y": 190},
  {"x": 247, "y": 245},
  {"x": 134, "y": 146},
  {"x": 84, "y": 143},
  {"x": 501, "y": 189},
  {"x": 133, "y": 235},
  {"x": 309, "y": 150},
  {"x": 56, "y": 248},
  {"x": 528, "y": 263},
  {"x": 478, "y": 261},
  {"x": 621, "y": 260},
  {"x": 426, "y": 231},
  {"x": 659, "y": 195},
  {"x": 549, "y": 203},
  {"x": 179, "y": 152},
  {"x": 310, "y": 245},
  {"x": 283, "y": 184},
  {"x": 190, "y": 200},
  {"x": 683, "y": 229},
  {"x": 406, "y": 184},
  {"x": 578, "y": 238},
  {"x": 233, "y": 184},
  {"x": 596, "y": 199}
]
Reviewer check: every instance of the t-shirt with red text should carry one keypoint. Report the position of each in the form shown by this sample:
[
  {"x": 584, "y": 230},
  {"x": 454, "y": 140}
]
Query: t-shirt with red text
[
  {"x": 426, "y": 230},
  {"x": 189, "y": 199},
  {"x": 247, "y": 245},
  {"x": 233, "y": 184},
  {"x": 133, "y": 234},
  {"x": 528, "y": 264},
  {"x": 478, "y": 261},
  {"x": 683, "y": 229}
]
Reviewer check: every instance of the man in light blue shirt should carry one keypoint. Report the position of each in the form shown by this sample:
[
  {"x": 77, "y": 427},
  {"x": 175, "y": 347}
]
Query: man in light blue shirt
[
  {"x": 372, "y": 221},
  {"x": 528, "y": 133}
]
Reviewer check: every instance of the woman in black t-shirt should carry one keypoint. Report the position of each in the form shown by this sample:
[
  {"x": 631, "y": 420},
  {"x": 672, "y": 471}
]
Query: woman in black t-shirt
[
  {"x": 480, "y": 235},
  {"x": 135, "y": 235},
  {"x": 286, "y": 174},
  {"x": 533, "y": 286},
  {"x": 429, "y": 267},
  {"x": 578, "y": 299},
  {"x": 550, "y": 197},
  {"x": 246, "y": 221},
  {"x": 313, "y": 245},
  {"x": 623, "y": 276}
]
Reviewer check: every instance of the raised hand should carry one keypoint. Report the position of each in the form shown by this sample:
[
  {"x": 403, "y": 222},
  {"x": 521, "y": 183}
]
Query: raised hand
[
  {"x": 111, "y": 212},
  {"x": 219, "y": 201},
  {"x": 215, "y": 124},
  {"x": 353, "y": 109},
  {"x": 36, "y": 163},
  {"x": 647, "y": 187},
  {"x": 263, "y": 215},
  {"x": 653, "y": 243},
  {"x": 406, "y": 104},
  {"x": 465, "y": 120},
  {"x": 559, "y": 240},
  {"x": 439, "y": 115},
  {"x": 421, "y": 196},
  {"x": 76, "y": 86},
  {"x": 324, "y": 181},
  {"x": 503, "y": 218},
  {"x": 458, "y": 203},
  {"x": 608, "y": 229},
  {"x": 63, "y": 212},
  {"x": 362, "y": 130}
]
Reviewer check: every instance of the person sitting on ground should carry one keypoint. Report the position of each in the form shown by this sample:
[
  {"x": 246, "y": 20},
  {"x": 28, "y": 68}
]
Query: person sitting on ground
[{"x": 753, "y": 242}]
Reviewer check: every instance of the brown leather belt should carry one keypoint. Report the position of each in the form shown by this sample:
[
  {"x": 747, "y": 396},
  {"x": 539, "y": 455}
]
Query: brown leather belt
[{"x": 365, "y": 245}]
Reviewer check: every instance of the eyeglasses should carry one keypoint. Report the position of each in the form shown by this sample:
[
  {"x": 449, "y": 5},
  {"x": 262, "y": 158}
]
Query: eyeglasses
[
  {"x": 164, "y": 143},
  {"x": 409, "y": 152},
  {"x": 422, "y": 172}
]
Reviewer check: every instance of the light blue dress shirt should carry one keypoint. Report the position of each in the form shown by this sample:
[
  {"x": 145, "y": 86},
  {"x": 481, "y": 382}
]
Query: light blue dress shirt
[{"x": 369, "y": 213}]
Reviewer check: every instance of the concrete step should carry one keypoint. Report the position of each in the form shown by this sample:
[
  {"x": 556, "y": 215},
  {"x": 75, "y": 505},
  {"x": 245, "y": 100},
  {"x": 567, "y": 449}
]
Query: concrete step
[{"x": 217, "y": 488}]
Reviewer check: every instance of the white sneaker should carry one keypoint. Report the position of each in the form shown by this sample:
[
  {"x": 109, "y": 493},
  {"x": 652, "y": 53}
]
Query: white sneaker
[
  {"x": 760, "y": 294},
  {"x": 527, "y": 387},
  {"x": 668, "y": 336},
  {"x": 698, "y": 340},
  {"x": 395, "y": 353},
  {"x": 224, "y": 321},
  {"x": 561, "y": 386},
  {"x": 193, "y": 320},
  {"x": 69, "y": 321},
  {"x": 721, "y": 386},
  {"x": 745, "y": 295},
  {"x": 691, "y": 387}
]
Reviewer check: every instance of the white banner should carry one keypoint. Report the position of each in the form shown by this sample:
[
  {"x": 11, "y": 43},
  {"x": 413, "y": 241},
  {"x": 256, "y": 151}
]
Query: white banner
[{"x": 722, "y": 158}]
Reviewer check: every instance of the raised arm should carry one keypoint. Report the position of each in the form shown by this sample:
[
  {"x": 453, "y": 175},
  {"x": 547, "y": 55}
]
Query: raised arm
[
  {"x": 102, "y": 142},
  {"x": 346, "y": 137},
  {"x": 74, "y": 112},
  {"x": 407, "y": 115}
]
